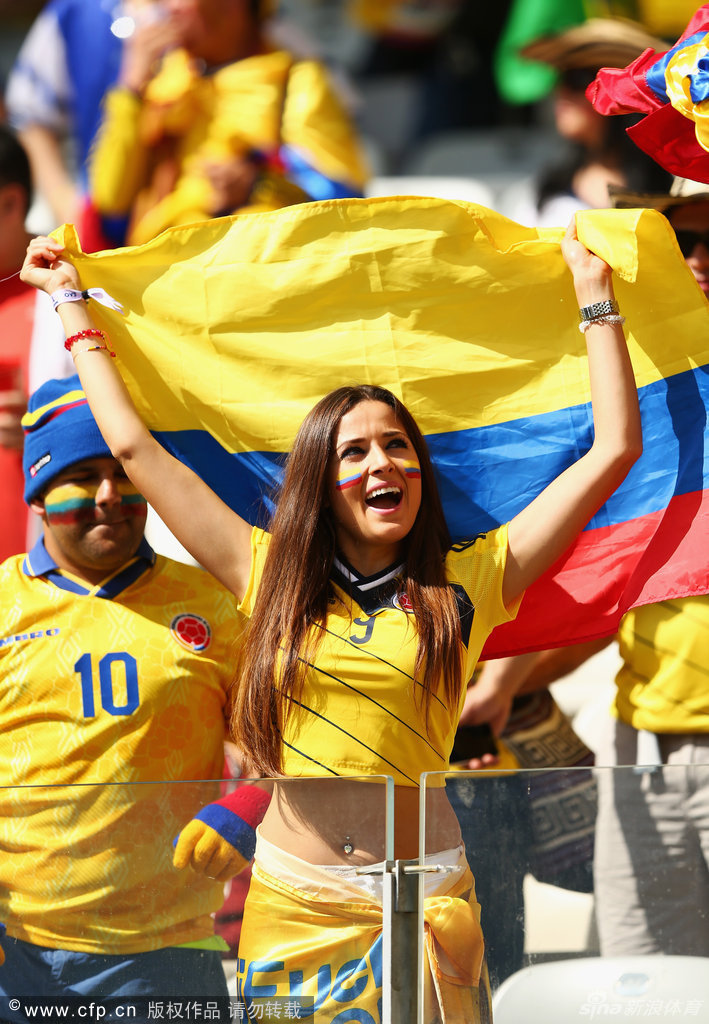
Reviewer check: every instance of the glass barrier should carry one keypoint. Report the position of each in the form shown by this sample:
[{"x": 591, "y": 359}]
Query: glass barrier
[
  {"x": 328, "y": 924},
  {"x": 593, "y": 893},
  {"x": 103, "y": 926}
]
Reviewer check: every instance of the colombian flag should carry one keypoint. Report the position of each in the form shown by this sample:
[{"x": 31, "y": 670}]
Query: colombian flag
[
  {"x": 234, "y": 328},
  {"x": 672, "y": 89}
]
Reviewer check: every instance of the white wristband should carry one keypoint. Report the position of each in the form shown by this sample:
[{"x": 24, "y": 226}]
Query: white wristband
[
  {"x": 72, "y": 295},
  {"x": 67, "y": 295}
]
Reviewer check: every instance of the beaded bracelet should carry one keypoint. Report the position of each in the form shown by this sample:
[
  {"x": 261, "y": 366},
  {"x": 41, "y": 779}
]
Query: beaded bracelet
[
  {"x": 95, "y": 348},
  {"x": 612, "y": 318},
  {"x": 90, "y": 332}
]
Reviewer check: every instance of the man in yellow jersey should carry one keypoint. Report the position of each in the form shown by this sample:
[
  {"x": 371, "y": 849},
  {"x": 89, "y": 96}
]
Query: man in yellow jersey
[{"x": 114, "y": 667}]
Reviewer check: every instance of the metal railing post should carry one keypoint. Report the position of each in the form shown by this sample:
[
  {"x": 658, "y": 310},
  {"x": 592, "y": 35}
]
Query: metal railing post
[
  {"x": 404, "y": 943},
  {"x": 401, "y": 915}
]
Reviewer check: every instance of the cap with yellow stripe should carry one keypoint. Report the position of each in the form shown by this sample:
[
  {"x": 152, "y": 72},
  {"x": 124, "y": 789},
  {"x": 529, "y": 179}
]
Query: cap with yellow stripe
[{"x": 59, "y": 430}]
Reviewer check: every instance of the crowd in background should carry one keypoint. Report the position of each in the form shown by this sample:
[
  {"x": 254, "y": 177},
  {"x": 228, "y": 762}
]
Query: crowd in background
[{"x": 406, "y": 73}]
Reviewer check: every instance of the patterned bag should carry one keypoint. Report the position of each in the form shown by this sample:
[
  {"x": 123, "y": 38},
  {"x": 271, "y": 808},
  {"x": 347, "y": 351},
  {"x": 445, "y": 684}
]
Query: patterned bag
[{"x": 563, "y": 803}]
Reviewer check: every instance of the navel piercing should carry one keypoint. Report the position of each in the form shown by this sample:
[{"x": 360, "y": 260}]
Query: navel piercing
[{"x": 348, "y": 847}]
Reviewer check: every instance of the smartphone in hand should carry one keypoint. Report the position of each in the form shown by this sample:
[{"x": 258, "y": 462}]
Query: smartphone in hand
[{"x": 473, "y": 741}]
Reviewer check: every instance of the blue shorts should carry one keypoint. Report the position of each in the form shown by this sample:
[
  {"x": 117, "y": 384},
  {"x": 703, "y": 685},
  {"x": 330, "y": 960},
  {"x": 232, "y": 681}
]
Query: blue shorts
[{"x": 175, "y": 973}]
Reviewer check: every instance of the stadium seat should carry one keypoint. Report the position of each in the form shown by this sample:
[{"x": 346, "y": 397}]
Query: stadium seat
[{"x": 652, "y": 988}]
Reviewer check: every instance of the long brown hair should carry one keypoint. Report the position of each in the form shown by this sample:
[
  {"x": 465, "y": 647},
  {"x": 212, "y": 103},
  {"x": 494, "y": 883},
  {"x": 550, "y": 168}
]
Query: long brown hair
[{"x": 294, "y": 589}]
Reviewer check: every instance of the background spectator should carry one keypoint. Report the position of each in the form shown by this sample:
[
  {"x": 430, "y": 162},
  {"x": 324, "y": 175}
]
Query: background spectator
[
  {"x": 31, "y": 346},
  {"x": 224, "y": 125},
  {"x": 86, "y": 876},
  {"x": 69, "y": 58}
]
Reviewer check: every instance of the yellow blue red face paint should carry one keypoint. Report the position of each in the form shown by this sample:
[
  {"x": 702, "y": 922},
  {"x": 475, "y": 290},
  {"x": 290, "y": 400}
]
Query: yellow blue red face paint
[
  {"x": 76, "y": 503},
  {"x": 348, "y": 477}
]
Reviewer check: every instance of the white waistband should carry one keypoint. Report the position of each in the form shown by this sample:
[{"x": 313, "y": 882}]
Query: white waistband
[{"x": 341, "y": 881}]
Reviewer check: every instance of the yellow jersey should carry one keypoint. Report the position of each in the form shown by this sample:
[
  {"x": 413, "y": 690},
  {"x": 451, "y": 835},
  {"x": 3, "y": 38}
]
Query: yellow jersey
[
  {"x": 361, "y": 711},
  {"x": 110, "y": 698},
  {"x": 662, "y": 684}
]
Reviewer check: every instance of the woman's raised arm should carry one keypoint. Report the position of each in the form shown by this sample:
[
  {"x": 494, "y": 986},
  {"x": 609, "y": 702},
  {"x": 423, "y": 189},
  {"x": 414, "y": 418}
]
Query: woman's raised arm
[
  {"x": 215, "y": 535},
  {"x": 542, "y": 531}
]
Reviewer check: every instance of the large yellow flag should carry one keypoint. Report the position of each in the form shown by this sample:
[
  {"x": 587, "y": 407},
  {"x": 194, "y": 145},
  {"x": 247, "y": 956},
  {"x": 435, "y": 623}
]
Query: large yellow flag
[{"x": 234, "y": 328}]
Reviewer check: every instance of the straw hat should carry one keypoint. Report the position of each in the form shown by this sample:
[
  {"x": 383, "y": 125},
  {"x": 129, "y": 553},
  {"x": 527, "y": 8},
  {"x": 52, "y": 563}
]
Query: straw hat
[
  {"x": 683, "y": 192},
  {"x": 596, "y": 43}
]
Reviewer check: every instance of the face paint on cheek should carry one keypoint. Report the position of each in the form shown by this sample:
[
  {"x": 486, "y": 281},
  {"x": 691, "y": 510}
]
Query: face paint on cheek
[
  {"x": 76, "y": 503},
  {"x": 348, "y": 477},
  {"x": 71, "y": 503},
  {"x": 132, "y": 502},
  {"x": 412, "y": 469}
]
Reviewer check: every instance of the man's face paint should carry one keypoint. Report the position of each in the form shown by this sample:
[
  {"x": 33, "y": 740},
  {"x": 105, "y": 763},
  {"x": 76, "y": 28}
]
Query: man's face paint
[
  {"x": 76, "y": 503},
  {"x": 93, "y": 518}
]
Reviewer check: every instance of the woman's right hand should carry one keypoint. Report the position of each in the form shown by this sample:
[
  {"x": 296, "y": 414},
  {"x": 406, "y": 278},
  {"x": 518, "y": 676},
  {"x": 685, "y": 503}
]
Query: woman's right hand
[{"x": 45, "y": 269}]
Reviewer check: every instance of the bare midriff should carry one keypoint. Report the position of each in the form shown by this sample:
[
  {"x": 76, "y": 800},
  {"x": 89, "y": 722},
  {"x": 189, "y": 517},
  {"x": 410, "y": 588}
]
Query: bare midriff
[{"x": 343, "y": 821}]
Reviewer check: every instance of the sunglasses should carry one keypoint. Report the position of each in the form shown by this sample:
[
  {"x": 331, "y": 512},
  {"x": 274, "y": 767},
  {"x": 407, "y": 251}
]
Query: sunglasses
[{"x": 689, "y": 240}]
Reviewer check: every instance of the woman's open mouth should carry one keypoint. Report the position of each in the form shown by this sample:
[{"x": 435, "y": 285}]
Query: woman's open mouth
[{"x": 385, "y": 499}]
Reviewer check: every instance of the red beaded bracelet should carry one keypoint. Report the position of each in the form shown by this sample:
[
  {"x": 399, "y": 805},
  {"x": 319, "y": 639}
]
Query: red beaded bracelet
[{"x": 90, "y": 332}]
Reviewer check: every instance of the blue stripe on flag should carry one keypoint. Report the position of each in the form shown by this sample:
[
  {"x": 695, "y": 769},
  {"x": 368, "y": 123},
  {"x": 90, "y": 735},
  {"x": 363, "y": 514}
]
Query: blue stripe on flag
[{"x": 488, "y": 474}]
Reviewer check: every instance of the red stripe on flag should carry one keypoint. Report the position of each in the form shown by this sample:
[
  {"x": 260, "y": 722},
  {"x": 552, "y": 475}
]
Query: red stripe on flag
[{"x": 606, "y": 573}]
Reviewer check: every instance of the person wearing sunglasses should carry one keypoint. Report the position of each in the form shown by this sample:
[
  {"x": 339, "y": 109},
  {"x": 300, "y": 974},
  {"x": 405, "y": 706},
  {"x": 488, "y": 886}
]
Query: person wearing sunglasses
[
  {"x": 686, "y": 206},
  {"x": 691, "y": 227}
]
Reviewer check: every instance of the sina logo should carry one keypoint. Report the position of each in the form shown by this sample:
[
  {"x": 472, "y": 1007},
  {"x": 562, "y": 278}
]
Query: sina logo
[
  {"x": 192, "y": 631},
  {"x": 403, "y": 601}
]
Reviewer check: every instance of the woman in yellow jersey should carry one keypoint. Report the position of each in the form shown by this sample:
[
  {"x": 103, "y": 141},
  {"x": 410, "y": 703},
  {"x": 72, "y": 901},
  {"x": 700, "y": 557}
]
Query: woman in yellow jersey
[{"x": 365, "y": 623}]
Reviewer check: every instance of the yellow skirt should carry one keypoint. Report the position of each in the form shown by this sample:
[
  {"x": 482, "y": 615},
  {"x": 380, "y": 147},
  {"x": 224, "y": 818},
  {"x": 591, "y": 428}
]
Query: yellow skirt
[{"x": 314, "y": 934}]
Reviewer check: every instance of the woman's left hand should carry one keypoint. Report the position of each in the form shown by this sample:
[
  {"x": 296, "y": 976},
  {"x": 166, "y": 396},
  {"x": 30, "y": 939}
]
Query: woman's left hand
[
  {"x": 592, "y": 275},
  {"x": 45, "y": 269}
]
